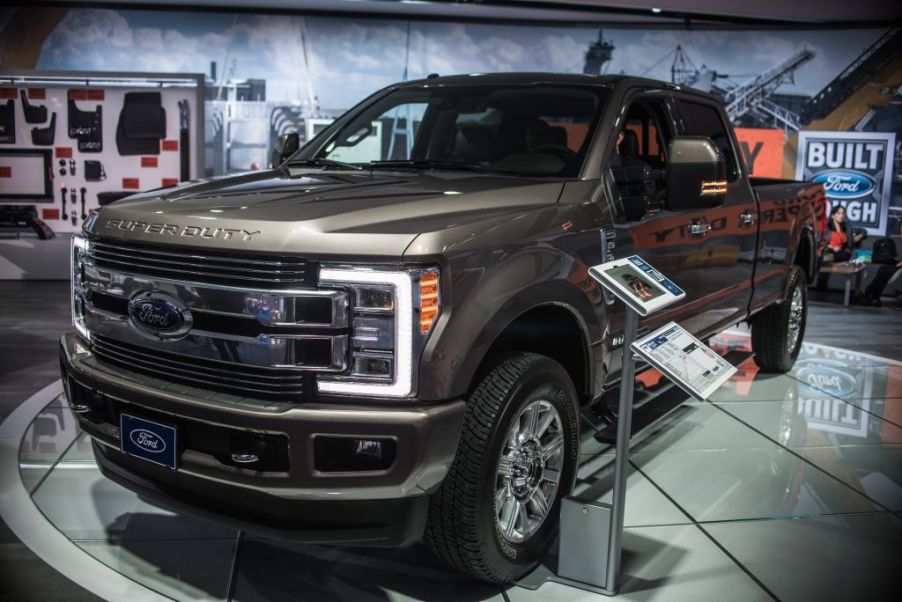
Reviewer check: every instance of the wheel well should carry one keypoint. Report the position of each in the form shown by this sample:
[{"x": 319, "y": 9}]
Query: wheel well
[{"x": 549, "y": 330}]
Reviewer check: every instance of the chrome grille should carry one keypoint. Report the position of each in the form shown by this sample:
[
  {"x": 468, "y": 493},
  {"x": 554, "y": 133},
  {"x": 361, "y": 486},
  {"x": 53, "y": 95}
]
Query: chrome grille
[
  {"x": 212, "y": 267},
  {"x": 226, "y": 377}
]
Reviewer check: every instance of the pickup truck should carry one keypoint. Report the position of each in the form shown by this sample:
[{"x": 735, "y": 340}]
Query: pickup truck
[{"x": 391, "y": 336}]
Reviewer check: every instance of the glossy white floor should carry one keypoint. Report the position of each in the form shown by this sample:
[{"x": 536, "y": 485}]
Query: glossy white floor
[{"x": 781, "y": 487}]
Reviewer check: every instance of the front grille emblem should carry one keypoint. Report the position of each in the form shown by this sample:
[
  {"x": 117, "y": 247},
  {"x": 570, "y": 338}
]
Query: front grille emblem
[{"x": 159, "y": 316}]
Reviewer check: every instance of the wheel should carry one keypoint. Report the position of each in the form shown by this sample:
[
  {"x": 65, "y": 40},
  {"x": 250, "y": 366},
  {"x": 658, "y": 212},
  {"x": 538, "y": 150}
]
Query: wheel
[
  {"x": 496, "y": 513},
  {"x": 777, "y": 331}
]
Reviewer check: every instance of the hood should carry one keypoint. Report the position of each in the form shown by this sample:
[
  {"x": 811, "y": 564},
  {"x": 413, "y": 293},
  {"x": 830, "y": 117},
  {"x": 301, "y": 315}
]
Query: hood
[{"x": 319, "y": 212}]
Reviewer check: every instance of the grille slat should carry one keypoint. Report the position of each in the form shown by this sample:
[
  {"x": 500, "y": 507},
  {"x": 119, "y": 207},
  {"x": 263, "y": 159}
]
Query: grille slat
[
  {"x": 211, "y": 267},
  {"x": 226, "y": 377}
]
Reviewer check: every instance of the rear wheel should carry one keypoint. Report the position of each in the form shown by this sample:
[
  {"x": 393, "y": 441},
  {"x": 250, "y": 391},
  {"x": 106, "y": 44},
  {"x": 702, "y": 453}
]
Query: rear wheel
[
  {"x": 777, "y": 331},
  {"x": 495, "y": 515}
]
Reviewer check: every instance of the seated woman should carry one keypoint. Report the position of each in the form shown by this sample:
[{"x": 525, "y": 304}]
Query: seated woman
[{"x": 841, "y": 241}]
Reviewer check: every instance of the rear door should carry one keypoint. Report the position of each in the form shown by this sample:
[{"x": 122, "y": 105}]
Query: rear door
[{"x": 731, "y": 231}]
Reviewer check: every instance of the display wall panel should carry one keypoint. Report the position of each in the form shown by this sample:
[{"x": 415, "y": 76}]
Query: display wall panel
[{"x": 70, "y": 141}]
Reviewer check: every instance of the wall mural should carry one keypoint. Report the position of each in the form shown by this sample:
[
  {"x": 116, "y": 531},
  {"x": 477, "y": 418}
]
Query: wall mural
[{"x": 269, "y": 74}]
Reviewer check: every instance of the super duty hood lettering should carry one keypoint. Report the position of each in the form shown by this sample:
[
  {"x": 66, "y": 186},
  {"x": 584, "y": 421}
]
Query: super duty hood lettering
[{"x": 176, "y": 230}]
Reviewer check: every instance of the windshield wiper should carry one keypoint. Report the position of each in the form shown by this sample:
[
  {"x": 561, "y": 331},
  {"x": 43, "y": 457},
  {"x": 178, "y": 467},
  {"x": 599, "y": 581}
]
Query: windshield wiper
[
  {"x": 429, "y": 164},
  {"x": 321, "y": 162}
]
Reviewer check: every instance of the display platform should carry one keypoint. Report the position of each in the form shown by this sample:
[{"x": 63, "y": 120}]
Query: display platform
[{"x": 780, "y": 486}]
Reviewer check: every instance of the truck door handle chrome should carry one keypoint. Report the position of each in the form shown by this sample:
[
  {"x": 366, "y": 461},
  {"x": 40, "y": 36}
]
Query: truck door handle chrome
[
  {"x": 746, "y": 218},
  {"x": 699, "y": 228}
]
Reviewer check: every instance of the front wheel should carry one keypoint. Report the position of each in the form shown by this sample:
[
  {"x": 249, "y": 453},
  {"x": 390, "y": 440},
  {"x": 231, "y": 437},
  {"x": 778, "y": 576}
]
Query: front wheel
[
  {"x": 778, "y": 330},
  {"x": 496, "y": 513}
]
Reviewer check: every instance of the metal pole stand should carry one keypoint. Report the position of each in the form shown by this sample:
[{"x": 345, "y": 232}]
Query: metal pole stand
[{"x": 591, "y": 537}]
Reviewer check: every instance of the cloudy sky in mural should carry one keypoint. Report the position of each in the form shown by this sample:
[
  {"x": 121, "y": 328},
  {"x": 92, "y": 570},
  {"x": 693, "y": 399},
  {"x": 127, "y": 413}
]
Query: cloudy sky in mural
[{"x": 347, "y": 59}]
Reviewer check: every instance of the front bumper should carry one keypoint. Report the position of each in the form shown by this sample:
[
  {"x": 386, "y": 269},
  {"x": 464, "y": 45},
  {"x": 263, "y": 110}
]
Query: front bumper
[{"x": 292, "y": 499}]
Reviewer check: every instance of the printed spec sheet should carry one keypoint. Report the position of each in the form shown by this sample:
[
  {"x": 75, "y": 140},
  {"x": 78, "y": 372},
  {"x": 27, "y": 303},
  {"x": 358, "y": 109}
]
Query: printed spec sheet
[{"x": 686, "y": 360}]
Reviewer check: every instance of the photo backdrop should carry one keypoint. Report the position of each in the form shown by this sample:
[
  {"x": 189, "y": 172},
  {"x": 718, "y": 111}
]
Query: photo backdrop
[{"x": 268, "y": 74}]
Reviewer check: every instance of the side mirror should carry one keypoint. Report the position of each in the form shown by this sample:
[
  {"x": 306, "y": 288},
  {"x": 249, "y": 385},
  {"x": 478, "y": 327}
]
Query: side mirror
[
  {"x": 696, "y": 174},
  {"x": 287, "y": 145}
]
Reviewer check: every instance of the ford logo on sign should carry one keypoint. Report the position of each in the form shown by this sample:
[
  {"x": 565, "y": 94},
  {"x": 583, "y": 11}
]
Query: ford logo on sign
[
  {"x": 845, "y": 184},
  {"x": 148, "y": 441},
  {"x": 159, "y": 315}
]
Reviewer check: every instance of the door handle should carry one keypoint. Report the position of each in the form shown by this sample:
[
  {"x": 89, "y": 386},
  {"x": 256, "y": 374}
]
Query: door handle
[
  {"x": 746, "y": 218},
  {"x": 699, "y": 228}
]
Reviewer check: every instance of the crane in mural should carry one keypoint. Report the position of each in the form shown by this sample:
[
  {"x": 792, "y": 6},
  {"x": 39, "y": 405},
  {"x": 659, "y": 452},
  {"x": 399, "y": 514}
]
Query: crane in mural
[
  {"x": 598, "y": 56},
  {"x": 751, "y": 96}
]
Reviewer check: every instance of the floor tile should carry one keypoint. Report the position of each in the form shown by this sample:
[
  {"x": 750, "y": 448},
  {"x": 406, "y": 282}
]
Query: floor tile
[
  {"x": 814, "y": 351},
  {"x": 748, "y": 384},
  {"x": 873, "y": 470},
  {"x": 645, "y": 504},
  {"x": 49, "y": 436},
  {"x": 745, "y": 484},
  {"x": 698, "y": 427},
  {"x": 274, "y": 571},
  {"x": 817, "y": 420},
  {"x": 80, "y": 452},
  {"x": 182, "y": 570},
  {"x": 664, "y": 563},
  {"x": 851, "y": 557},
  {"x": 85, "y": 505}
]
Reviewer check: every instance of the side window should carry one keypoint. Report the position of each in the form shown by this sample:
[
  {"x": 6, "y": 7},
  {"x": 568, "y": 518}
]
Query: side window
[
  {"x": 637, "y": 163},
  {"x": 705, "y": 120}
]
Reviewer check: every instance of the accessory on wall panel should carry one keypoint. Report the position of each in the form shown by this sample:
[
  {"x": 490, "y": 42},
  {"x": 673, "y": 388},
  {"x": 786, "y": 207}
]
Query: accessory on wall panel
[
  {"x": 33, "y": 113},
  {"x": 142, "y": 124},
  {"x": 184, "y": 138},
  {"x": 72, "y": 197},
  {"x": 8, "y": 122},
  {"x": 71, "y": 167},
  {"x": 105, "y": 198},
  {"x": 62, "y": 167},
  {"x": 63, "y": 192},
  {"x": 84, "y": 215},
  {"x": 34, "y": 162},
  {"x": 44, "y": 136},
  {"x": 94, "y": 171},
  {"x": 19, "y": 218},
  {"x": 86, "y": 127},
  {"x": 74, "y": 218}
]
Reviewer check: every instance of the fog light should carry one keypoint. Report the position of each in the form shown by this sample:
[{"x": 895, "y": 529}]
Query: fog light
[
  {"x": 353, "y": 454},
  {"x": 372, "y": 366}
]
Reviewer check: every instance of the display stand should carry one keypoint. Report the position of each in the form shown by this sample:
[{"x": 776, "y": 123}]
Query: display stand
[{"x": 591, "y": 539}]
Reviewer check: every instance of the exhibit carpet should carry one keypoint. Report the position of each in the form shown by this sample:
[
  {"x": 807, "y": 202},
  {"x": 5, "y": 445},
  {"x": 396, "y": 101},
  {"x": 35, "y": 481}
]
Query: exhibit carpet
[{"x": 779, "y": 487}]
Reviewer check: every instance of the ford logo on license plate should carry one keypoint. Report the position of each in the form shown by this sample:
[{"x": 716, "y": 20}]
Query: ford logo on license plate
[{"x": 159, "y": 315}]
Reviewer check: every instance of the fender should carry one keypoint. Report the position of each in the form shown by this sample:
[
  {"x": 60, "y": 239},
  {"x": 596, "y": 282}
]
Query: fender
[{"x": 448, "y": 368}]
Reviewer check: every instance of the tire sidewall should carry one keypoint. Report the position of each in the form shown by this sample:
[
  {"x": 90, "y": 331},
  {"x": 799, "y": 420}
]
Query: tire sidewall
[{"x": 548, "y": 381}]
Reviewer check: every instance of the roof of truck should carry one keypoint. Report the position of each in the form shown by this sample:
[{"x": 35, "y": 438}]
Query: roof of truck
[{"x": 551, "y": 78}]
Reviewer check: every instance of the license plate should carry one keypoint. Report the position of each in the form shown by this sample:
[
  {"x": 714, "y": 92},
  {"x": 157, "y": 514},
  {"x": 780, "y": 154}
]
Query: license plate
[{"x": 148, "y": 440}]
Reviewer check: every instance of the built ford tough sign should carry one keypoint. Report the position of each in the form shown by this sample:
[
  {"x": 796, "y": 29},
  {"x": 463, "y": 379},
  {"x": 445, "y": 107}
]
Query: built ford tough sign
[{"x": 391, "y": 336}]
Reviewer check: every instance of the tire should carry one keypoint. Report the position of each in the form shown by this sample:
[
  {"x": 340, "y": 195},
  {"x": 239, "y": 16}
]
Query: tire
[
  {"x": 467, "y": 528},
  {"x": 775, "y": 341}
]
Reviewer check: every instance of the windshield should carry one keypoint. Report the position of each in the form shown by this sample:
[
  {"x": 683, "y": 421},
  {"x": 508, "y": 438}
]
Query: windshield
[{"x": 531, "y": 130}]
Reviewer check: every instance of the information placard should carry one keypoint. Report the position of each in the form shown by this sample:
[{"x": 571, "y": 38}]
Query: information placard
[
  {"x": 636, "y": 283},
  {"x": 691, "y": 364}
]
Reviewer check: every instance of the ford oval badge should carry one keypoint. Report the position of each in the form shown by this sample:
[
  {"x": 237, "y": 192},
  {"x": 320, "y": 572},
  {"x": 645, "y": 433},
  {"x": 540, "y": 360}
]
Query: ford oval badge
[
  {"x": 845, "y": 184},
  {"x": 148, "y": 441},
  {"x": 159, "y": 315}
]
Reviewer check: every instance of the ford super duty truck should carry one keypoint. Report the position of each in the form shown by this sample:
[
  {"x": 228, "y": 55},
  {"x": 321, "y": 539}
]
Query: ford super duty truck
[{"x": 392, "y": 335}]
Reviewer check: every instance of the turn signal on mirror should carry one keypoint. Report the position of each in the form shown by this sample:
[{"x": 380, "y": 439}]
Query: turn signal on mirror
[{"x": 428, "y": 301}]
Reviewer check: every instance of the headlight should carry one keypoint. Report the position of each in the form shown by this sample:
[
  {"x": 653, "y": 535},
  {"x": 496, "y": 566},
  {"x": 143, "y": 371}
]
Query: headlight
[
  {"x": 392, "y": 313},
  {"x": 80, "y": 246}
]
